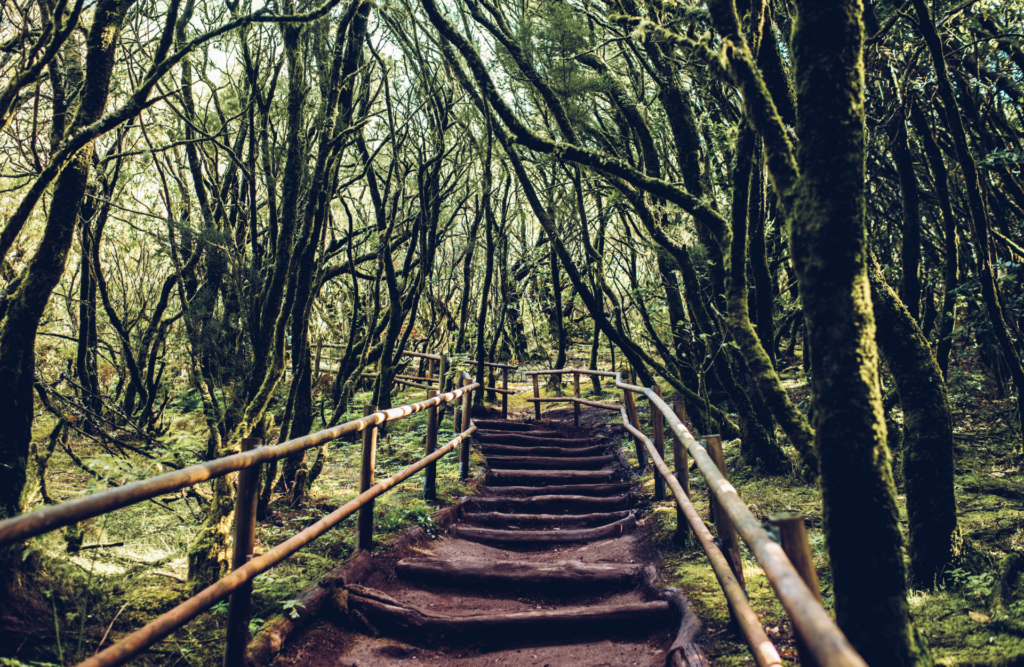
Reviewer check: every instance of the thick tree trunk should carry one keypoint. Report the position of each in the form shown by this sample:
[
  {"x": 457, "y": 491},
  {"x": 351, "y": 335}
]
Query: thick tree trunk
[{"x": 829, "y": 244}]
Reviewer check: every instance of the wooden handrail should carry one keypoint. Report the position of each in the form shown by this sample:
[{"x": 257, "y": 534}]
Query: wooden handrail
[
  {"x": 824, "y": 640},
  {"x": 49, "y": 518},
  {"x": 138, "y": 641},
  {"x": 761, "y": 647}
]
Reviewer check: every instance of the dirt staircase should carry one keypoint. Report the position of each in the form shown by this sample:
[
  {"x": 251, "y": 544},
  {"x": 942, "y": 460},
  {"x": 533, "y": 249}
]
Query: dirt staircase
[{"x": 546, "y": 565}]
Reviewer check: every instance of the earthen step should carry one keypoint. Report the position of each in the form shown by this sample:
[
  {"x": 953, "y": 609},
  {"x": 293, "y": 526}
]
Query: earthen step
[
  {"x": 530, "y": 439},
  {"x": 549, "y": 504},
  {"x": 385, "y": 614},
  {"x": 560, "y": 489},
  {"x": 513, "y": 450},
  {"x": 491, "y": 535},
  {"x": 504, "y": 574},
  {"x": 549, "y": 462},
  {"x": 501, "y": 425},
  {"x": 538, "y": 477},
  {"x": 503, "y": 519}
]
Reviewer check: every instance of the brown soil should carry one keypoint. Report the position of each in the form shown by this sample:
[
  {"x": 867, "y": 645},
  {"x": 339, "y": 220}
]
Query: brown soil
[{"x": 331, "y": 639}]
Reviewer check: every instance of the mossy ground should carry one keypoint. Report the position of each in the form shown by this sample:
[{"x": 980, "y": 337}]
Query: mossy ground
[
  {"x": 956, "y": 617},
  {"x": 125, "y": 587}
]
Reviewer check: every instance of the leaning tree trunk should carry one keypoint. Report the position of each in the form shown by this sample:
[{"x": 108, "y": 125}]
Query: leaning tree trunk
[{"x": 936, "y": 542}]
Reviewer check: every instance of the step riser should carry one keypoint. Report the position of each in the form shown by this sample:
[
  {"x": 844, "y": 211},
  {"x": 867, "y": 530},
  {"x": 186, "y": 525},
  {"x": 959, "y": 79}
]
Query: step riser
[
  {"x": 548, "y": 462},
  {"x": 491, "y": 536},
  {"x": 520, "y": 576},
  {"x": 530, "y": 628},
  {"x": 530, "y": 440},
  {"x": 542, "y": 477},
  {"x": 506, "y": 520},
  {"x": 557, "y": 490},
  {"x": 513, "y": 450},
  {"x": 549, "y": 504}
]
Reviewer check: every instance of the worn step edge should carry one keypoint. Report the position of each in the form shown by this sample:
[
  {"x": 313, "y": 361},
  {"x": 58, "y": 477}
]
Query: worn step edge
[
  {"x": 518, "y": 477},
  {"x": 549, "y": 462},
  {"x": 509, "y": 519},
  {"x": 517, "y": 450},
  {"x": 616, "y": 488},
  {"x": 517, "y": 574},
  {"x": 383, "y": 612},
  {"x": 501, "y": 425},
  {"x": 531, "y": 440},
  {"x": 616, "y": 529},
  {"x": 547, "y": 504}
]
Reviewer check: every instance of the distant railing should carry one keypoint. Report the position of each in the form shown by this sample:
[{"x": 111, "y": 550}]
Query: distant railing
[
  {"x": 819, "y": 640},
  {"x": 245, "y": 566}
]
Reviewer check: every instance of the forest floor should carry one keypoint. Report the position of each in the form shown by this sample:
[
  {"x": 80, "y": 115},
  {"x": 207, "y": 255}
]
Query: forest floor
[{"x": 93, "y": 597}]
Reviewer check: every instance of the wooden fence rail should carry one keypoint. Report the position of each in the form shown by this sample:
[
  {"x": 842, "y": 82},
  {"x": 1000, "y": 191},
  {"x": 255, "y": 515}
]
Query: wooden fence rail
[
  {"x": 237, "y": 584},
  {"x": 821, "y": 642}
]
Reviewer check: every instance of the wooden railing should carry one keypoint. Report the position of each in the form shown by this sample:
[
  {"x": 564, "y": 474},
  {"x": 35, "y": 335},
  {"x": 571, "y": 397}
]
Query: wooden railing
[
  {"x": 819, "y": 640},
  {"x": 245, "y": 566}
]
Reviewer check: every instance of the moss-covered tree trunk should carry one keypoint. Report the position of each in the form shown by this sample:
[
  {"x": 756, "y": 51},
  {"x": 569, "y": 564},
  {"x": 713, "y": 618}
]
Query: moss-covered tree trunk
[
  {"x": 936, "y": 542},
  {"x": 23, "y": 308},
  {"x": 829, "y": 243}
]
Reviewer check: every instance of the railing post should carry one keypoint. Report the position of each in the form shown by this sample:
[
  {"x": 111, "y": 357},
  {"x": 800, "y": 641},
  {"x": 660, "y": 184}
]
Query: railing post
[
  {"x": 504, "y": 397},
  {"x": 793, "y": 536},
  {"x": 536, "y": 394},
  {"x": 429, "y": 376},
  {"x": 364, "y": 538},
  {"x": 682, "y": 463},
  {"x": 634, "y": 418},
  {"x": 319, "y": 348},
  {"x": 430, "y": 473},
  {"x": 576, "y": 393},
  {"x": 464, "y": 453},
  {"x": 245, "y": 533},
  {"x": 658, "y": 426},
  {"x": 442, "y": 380},
  {"x": 726, "y": 529}
]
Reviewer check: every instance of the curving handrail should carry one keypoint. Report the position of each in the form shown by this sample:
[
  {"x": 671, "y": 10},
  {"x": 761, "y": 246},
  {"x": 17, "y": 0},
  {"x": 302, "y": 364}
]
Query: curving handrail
[{"x": 824, "y": 640}]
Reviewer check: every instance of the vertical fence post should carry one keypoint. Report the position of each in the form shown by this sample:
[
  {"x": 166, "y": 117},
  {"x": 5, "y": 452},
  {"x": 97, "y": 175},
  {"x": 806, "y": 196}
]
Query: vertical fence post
[
  {"x": 245, "y": 534},
  {"x": 429, "y": 376},
  {"x": 430, "y": 473},
  {"x": 442, "y": 381},
  {"x": 634, "y": 418},
  {"x": 364, "y": 538},
  {"x": 682, "y": 463},
  {"x": 658, "y": 426},
  {"x": 726, "y": 530},
  {"x": 319, "y": 349},
  {"x": 504, "y": 397},
  {"x": 793, "y": 536},
  {"x": 536, "y": 394},
  {"x": 576, "y": 393},
  {"x": 464, "y": 454}
]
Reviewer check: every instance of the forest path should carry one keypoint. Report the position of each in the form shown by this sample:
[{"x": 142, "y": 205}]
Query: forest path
[{"x": 546, "y": 565}]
